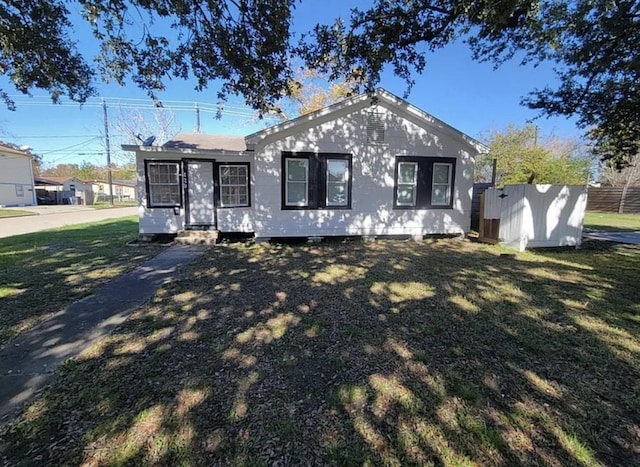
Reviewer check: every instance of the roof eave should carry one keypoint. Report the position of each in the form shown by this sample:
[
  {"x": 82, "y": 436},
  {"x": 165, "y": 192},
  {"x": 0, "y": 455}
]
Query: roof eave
[{"x": 187, "y": 151}]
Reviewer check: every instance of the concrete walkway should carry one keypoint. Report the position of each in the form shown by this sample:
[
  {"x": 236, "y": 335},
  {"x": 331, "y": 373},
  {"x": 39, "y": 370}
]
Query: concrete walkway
[
  {"x": 51, "y": 217},
  {"x": 28, "y": 362}
]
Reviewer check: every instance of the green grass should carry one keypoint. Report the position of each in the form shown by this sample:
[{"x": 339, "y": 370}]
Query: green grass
[
  {"x": 15, "y": 213},
  {"x": 385, "y": 353},
  {"x": 611, "y": 221},
  {"x": 116, "y": 204},
  {"x": 42, "y": 272}
]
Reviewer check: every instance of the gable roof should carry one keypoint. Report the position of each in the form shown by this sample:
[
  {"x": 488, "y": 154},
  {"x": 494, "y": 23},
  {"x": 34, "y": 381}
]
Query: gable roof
[
  {"x": 4, "y": 149},
  {"x": 55, "y": 180},
  {"x": 129, "y": 183},
  {"x": 380, "y": 94}
]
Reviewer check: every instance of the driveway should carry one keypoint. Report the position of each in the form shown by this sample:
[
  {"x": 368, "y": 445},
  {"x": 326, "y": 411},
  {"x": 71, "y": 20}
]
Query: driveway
[
  {"x": 50, "y": 217},
  {"x": 630, "y": 238}
]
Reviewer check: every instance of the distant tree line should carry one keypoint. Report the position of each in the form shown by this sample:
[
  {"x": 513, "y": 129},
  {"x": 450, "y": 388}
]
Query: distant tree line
[{"x": 88, "y": 171}]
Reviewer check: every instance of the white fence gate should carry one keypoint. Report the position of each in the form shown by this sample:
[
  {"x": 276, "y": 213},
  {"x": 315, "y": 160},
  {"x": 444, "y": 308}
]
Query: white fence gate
[{"x": 530, "y": 216}]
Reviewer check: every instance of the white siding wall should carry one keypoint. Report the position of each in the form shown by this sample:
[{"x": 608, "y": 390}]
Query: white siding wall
[
  {"x": 16, "y": 177},
  {"x": 168, "y": 220},
  {"x": 373, "y": 168}
]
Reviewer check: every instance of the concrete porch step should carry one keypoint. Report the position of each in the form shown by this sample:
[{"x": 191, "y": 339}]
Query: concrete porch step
[{"x": 197, "y": 237}]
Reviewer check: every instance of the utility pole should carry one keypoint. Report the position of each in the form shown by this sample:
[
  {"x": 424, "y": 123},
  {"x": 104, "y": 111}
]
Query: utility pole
[
  {"x": 106, "y": 140},
  {"x": 197, "y": 118}
]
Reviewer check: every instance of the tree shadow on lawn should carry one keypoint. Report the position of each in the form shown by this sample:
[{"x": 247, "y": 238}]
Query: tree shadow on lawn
[
  {"x": 384, "y": 353},
  {"x": 43, "y": 272}
]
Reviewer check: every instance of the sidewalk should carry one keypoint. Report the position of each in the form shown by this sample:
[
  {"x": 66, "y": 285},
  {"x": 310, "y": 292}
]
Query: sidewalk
[
  {"x": 28, "y": 362},
  {"x": 51, "y": 219}
]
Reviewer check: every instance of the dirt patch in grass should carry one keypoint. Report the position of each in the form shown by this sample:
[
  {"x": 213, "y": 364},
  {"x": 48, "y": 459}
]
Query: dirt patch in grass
[
  {"x": 394, "y": 353},
  {"x": 41, "y": 273}
]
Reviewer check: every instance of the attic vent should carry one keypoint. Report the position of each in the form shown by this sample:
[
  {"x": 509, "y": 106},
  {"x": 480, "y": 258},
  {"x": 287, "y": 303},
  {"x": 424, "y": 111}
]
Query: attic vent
[{"x": 375, "y": 128}]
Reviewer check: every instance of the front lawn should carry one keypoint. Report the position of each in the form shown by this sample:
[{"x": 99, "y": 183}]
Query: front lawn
[
  {"x": 385, "y": 353},
  {"x": 41, "y": 273},
  {"x": 15, "y": 213},
  {"x": 611, "y": 221}
]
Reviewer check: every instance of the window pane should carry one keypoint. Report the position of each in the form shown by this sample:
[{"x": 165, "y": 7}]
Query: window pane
[
  {"x": 406, "y": 195},
  {"x": 337, "y": 170},
  {"x": 234, "y": 182},
  {"x": 296, "y": 193},
  {"x": 164, "y": 183},
  {"x": 441, "y": 173},
  {"x": 440, "y": 195},
  {"x": 297, "y": 170},
  {"x": 407, "y": 172},
  {"x": 225, "y": 174},
  {"x": 337, "y": 194}
]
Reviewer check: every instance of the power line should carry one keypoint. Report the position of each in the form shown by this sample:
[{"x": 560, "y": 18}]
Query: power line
[{"x": 84, "y": 143}]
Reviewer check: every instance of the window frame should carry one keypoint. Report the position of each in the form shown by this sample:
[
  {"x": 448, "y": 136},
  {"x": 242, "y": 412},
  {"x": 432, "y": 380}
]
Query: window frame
[
  {"x": 424, "y": 184},
  {"x": 306, "y": 182},
  {"x": 346, "y": 183},
  {"x": 414, "y": 184},
  {"x": 448, "y": 184},
  {"x": 219, "y": 185},
  {"x": 148, "y": 185},
  {"x": 317, "y": 166}
]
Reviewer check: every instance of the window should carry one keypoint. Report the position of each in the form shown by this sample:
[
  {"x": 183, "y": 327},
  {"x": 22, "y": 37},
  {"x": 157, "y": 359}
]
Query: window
[
  {"x": 297, "y": 182},
  {"x": 407, "y": 185},
  {"x": 313, "y": 181},
  {"x": 441, "y": 184},
  {"x": 337, "y": 182},
  {"x": 163, "y": 184},
  {"x": 424, "y": 182},
  {"x": 20, "y": 191},
  {"x": 234, "y": 185}
]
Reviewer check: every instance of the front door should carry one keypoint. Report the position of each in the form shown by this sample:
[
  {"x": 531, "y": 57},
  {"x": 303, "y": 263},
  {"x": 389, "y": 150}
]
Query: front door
[{"x": 200, "y": 212}]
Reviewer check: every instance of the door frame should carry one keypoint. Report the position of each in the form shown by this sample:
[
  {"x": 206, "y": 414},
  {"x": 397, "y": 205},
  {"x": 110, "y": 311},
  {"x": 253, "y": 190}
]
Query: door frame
[{"x": 185, "y": 170}]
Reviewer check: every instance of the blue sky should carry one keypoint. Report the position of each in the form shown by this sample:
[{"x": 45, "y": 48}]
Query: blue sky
[{"x": 470, "y": 96}]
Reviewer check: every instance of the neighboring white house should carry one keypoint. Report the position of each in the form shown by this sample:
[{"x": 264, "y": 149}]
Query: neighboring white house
[
  {"x": 63, "y": 190},
  {"x": 16, "y": 178},
  {"x": 367, "y": 166},
  {"x": 123, "y": 190}
]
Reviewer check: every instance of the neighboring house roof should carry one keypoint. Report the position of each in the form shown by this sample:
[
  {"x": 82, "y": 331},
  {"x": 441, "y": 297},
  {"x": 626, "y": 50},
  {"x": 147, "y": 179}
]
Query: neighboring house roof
[
  {"x": 380, "y": 94},
  {"x": 130, "y": 183},
  {"x": 55, "y": 180},
  {"x": 14, "y": 152}
]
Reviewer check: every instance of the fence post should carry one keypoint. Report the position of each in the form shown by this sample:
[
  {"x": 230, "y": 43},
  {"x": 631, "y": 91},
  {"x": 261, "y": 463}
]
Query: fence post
[{"x": 623, "y": 197}]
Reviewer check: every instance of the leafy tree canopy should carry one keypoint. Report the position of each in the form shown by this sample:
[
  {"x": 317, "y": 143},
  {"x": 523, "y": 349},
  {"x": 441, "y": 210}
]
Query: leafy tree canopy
[
  {"x": 249, "y": 45},
  {"x": 523, "y": 157}
]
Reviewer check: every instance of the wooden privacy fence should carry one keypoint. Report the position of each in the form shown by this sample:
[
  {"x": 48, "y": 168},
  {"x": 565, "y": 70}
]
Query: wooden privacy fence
[{"x": 610, "y": 199}]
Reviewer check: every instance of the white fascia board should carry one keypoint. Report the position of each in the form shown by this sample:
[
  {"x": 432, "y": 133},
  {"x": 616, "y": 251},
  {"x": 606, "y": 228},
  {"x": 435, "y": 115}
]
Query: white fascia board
[{"x": 186, "y": 151}]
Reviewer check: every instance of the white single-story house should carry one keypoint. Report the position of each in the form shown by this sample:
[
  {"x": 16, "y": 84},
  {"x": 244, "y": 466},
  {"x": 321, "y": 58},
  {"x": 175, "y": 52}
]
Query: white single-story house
[
  {"x": 371, "y": 165},
  {"x": 63, "y": 190},
  {"x": 16, "y": 178},
  {"x": 122, "y": 189}
]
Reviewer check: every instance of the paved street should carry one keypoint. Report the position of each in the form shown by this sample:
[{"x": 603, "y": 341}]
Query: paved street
[{"x": 50, "y": 217}]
